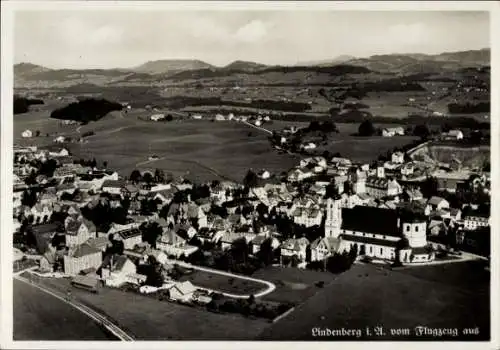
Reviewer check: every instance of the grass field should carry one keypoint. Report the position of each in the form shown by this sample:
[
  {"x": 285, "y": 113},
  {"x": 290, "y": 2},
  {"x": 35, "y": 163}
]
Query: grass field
[
  {"x": 223, "y": 283},
  {"x": 292, "y": 284},
  {"x": 367, "y": 296},
  {"x": 150, "y": 319},
  {"x": 40, "y": 316}
]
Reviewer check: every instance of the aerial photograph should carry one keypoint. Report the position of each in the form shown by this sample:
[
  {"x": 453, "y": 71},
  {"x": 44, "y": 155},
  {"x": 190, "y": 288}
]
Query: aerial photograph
[{"x": 236, "y": 175}]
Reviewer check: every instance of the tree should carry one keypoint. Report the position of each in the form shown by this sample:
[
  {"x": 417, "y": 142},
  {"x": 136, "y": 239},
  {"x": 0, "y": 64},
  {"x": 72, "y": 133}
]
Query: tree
[
  {"x": 266, "y": 252},
  {"x": 159, "y": 176},
  {"x": 366, "y": 128},
  {"x": 421, "y": 131},
  {"x": 147, "y": 178},
  {"x": 135, "y": 176},
  {"x": 29, "y": 198},
  {"x": 151, "y": 232},
  {"x": 169, "y": 118},
  {"x": 105, "y": 164},
  {"x": 93, "y": 164},
  {"x": 250, "y": 179},
  {"x": 37, "y": 133},
  {"x": 430, "y": 187}
]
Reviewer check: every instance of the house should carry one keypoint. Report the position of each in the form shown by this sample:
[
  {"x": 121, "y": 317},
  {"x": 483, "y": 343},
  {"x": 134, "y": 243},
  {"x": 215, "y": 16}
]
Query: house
[
  {"x": 182, "y": 291},
  {"x": 307, "y": 216},
  {"x": 115, "y": 271},
  {"x": 382, "y": 187},
  {"x": 323, "y": 247},
  {"x": 407, "y": 169},
  {"x": 229, "y": 238},
  {"x": 79, "y": 231},
  {"x": 82, "y": 257},
  {"x": 299, "y": 175},
  {"x": 55, "y": 151},
  {"x": 309, "y": 145},
  {"x": 157, "y": 117},
  {"x": 438, "y": 203},
  {"x": 59, "y": 139},
  {"x": 41, "y": 213},
  {"x": 219, "y": 117},
  {"x": 43, "y": 235},
  {"x": 113, "y": 186},
  {"x": 412, "y": 194},
  {"x": 159, "y": 256},
  {"x": 264, "y": 174},
  {"x": 475, "y": 220},
  {"x": 27, "y": 133},
  {"x": 197, "y": 116},
  {"x": 390, "y": 132},
  {"x": 436, "y": 227},
  {"x": 398, "y": 157},
  {"x": 385, "y": 234},
  {"x": 453, "y": 135},
  {"x": 130, "y": 237},
  {"x": 173, "y": 244},
  {"x": 294, "y": 248}
]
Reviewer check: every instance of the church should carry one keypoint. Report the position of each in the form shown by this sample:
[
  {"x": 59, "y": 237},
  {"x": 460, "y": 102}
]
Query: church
[{"x": 378, "y": 232}]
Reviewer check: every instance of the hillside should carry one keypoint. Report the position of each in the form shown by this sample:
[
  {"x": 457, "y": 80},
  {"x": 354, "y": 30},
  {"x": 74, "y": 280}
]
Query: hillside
[
  {"x": 469, "y": 156},
  {"x": 245, "y": 66},
  {"x": 171, "y": 66},
  {"x": 417, "y": 63}
]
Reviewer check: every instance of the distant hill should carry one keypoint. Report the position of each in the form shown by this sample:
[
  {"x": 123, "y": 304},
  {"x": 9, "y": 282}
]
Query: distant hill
[
  {"x": 171, "y": 66},
  {"x": 245, "y": 66},
  {"x": 28, "y": 69},
  {"x": 328, "y": 62},
  {"x": 418, "y": 63}
]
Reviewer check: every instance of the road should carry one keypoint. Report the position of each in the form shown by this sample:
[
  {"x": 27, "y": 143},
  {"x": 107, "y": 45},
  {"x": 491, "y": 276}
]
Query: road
[
  {"x": 257, "y": 127},
  {"x": 97, "y": 317},
  {"x": 270, "y": 286}
]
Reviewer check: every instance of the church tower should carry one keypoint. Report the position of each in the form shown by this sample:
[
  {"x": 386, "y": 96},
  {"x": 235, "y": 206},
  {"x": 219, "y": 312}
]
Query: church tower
[{"x": 333, "y": 220}]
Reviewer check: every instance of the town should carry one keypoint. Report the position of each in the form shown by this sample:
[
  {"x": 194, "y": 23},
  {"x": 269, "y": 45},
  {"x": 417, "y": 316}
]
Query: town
[{"x": 146, "y": 232}]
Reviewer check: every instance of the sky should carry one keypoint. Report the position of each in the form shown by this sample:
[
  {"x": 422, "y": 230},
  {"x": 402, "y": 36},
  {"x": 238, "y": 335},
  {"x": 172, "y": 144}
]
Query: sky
[{"x": 122, "y": 39}]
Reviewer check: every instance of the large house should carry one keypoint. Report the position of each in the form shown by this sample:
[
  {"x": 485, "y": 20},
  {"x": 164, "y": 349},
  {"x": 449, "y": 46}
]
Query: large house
[
  {"x": 81, "y": 258},
  {"x": 307, "y": 216},
  {"x": 294, "y": 248},
  {"x": 382, "y": 187},
  {"x": 389, "y": 132},
  {"x": 79, "y": 231},
  {"x": 129, "y": 236},
  {"x": 115, "y": 271},
  {"x": 476, "y": 220}
]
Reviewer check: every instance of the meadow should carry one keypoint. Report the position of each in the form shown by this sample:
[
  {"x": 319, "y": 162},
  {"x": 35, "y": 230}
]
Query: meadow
[
  {"x": 40, "y": 316},
  {"x": 369, "y": 296}
]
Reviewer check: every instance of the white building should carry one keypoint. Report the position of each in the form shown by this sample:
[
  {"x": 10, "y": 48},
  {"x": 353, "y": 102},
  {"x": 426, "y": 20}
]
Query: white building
[{"x": 27, "y": 133}]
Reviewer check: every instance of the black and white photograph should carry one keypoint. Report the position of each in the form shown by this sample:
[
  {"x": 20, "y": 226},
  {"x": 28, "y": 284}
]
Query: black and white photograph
[{"x": 254, "y": 171}]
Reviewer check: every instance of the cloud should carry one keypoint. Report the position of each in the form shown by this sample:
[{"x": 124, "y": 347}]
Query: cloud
[
  {"x": 251, "y": 32},
  {"x": 78, "y": 32}
]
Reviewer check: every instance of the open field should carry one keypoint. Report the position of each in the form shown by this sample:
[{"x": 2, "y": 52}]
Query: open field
[
  {"x": 40, "y": 316},
  {"x": 292, "y": 284},
  {"x": 367, "y": 296},
  {"x": 150, "y": 319},
  {"x": 223, "y": 283}
]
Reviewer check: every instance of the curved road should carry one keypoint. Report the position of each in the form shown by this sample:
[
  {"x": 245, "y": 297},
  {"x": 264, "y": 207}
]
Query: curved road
[
  {"x": 270, "y": 286},
  {"x": 100, "y": 319}
]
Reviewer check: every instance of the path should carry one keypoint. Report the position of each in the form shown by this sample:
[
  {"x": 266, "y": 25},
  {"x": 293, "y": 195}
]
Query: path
[
  {"x": 270, "y": 286},
  {"x": 97, "y": 317},
  {"x": 257, "y": 127}
]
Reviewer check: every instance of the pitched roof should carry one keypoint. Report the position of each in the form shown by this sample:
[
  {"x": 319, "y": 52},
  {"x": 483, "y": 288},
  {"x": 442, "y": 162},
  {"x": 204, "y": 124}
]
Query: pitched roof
[
  {"x": 435, "y": 200},
  {"x": 113, "y": 183},
  {"x": 370, "y": 220},
  {"x": 45, "y": 228},
  {"x": 84, "y": 250},
  {"x": 185, "y": 287},
  {"x": 128, "y": 233},
  {"x": 369, "y": 240}
]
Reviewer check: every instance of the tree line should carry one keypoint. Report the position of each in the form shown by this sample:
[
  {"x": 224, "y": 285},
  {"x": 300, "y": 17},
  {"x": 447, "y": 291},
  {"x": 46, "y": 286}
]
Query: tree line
[{"x": 86, "y": 110}]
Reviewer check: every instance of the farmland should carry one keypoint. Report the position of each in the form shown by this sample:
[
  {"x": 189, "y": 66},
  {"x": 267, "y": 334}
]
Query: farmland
[
  {"x": 200, "y": 150},
  {"x": 367, "y": 296}
]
